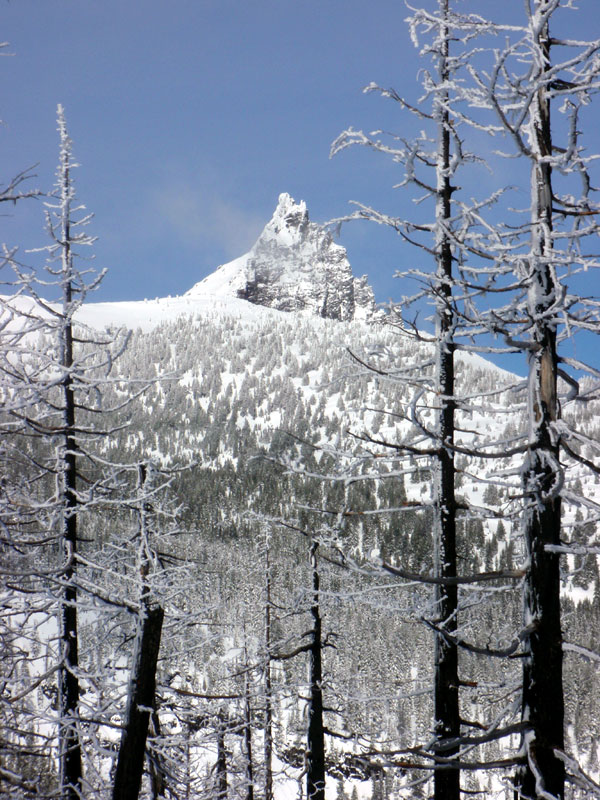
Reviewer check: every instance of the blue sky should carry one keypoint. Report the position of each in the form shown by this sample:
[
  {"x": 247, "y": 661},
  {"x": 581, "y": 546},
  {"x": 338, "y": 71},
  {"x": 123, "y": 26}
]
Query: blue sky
[{"x": 189, "y": 117}]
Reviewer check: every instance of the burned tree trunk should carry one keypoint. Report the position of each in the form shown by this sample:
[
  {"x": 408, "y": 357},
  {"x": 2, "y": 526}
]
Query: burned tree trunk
[
  {"x": 315, "y": 755},
  {"x": 155, "y": 762},
  {"x": 542, "y": 773},
  {"x": 248, "y": 740},
  {"x": 446, "y": 706},
  {"x": 68, "y": 681},
  {"x": 221, "y": 765},
  {"x": 142, "y": 683},
  {"x": 130, "y": 764},
  {"x": 268, "y": 687},
  {"x": 70, "y": 762}
]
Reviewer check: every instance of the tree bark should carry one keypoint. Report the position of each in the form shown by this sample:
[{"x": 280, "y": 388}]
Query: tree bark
[
  {"x": 70, "y": 761},
  {"x": 157, "y": 772},
  {"x": 315, "y": 767},
  {"x": 248, "y": 740},
  {"x": 68, "y": 682},
  {"x": 221, "y": 765},
  {"x": 130, "y": 764},
  {"x": 446, "y": 702},
  {"x": 542, "y": 703},
  {"x": 141, "y": 699},
  {"x": 268, "y": 734}
]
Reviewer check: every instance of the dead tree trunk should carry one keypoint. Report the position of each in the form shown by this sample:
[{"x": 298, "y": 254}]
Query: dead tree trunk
[
  {"x": 221, "y": 765},
  {"x": 542, "y": 774},
  {"x": 268, "y": 734},
  {"x": 142, "y": 683},
  {"x": 315, "y": 756},
  {"x": 130, "y": 764},
  {"x": 446, "y": 707},
  {"x": 68, "y": 681},
  {"x": 156, "y": 767},
  {"x": 248, "y": 740},
  {"x": 70, "y": 761}
]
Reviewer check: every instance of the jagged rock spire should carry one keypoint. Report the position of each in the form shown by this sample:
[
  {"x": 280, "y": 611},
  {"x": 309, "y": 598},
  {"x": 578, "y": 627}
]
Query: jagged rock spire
[{"x": 294, "y": 266}]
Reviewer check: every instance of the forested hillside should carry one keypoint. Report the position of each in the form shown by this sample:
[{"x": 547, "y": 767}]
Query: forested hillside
[{"x": 257, "y": 416}]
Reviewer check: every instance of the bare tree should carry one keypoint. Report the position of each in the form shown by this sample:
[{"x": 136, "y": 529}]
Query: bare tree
[
  {"x": 267, "y": 679},
  {"x": 542, "y": 257},
  {"x": 65, "y": 239},
  {"x": 16, "y": 395},
  {"x": 431, "y": 163},
  {"x": 543, "y": 703},
  {"x": 142, "y": 681},
  {"x": 446, "y": 681},
  {"x": 315, "y": 747},
  {"x": 66, "y": 373},
  {"x": 66, "y": 233}
]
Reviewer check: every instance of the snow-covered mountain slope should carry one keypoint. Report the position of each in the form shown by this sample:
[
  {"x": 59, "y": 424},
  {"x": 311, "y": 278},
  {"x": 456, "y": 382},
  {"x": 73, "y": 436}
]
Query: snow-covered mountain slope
[
  {"x": 239, "y": 390},
  {"x": 145, "y": 315},
  {"x": 142, "y": 315},
  {"x": 242, "y": 371},
  {"x": 294, "y": 266}
]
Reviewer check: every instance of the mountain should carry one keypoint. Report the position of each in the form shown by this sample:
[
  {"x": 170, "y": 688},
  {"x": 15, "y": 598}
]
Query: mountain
[
  {"x": 252, "y": 388},
  {"x": 293, "y": 266}
]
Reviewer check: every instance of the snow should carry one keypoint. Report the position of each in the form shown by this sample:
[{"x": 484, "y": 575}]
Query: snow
[
  {"x": 201, "y": 303},
  {"x": 146, "y": 315},
  {"x": 278, "y": 228},
  {"x": 226, "y": 281},
  {"x": 293, "y": 265},
  {"x": 303, "y": 268},
  {"x": 281, "y": 232}
]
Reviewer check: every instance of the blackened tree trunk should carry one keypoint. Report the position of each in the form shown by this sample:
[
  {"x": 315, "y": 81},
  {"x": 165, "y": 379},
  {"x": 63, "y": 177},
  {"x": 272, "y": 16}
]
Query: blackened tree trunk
[
  {"x": 446, "y": 701},
  {"x": 142, "y": 682},
  {"x": 156, "y": 767},
  {"x": 315, "y": 756},
  {"x": 68, "y": 681},
  {"x": 221, "y": 765},
  {"x": 268, "y": 734},
  {"x": 130, "y": 764},
  {"x": 542, "y": 773},
  {"x": 70, "y": 762},
  {"x": 248, "y": 738}
]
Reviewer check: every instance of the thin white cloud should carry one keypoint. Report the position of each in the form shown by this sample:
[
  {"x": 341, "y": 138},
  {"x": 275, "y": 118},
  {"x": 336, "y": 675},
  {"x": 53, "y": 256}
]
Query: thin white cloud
[{"x": 201, "y": 217}]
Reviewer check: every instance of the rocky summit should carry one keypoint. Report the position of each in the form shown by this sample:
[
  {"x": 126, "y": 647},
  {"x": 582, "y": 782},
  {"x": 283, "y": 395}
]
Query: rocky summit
[{"x": 295, "y": 265}]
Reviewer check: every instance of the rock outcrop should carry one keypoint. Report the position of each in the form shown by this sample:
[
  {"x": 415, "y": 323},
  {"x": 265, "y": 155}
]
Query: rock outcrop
[{"x": 294, "y": 266}]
